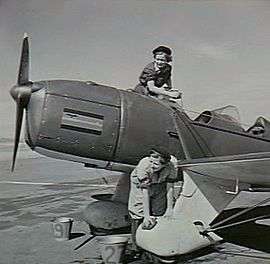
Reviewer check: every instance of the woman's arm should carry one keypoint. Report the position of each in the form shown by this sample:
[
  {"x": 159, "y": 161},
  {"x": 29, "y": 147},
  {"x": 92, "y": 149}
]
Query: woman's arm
[
  {"x": 146, "y": 203},
  {"x": 162, "y": 91},
  {"x": 148, "y": 221},
  {"x": 170, "y": 197}
]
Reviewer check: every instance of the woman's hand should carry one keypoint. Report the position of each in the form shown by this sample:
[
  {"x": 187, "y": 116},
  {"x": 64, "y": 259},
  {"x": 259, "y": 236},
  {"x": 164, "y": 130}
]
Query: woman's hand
[
  {"x": 168, "y": 213},
  {"x": 166, "y": 87},
  {"x": 149, "y": 222},
  {"x": 174, "y": 94}
]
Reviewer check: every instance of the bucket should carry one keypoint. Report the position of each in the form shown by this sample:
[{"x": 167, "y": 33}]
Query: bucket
[
  {"x": 62, "y": 228},
  {"x": 112, "y": 249}
]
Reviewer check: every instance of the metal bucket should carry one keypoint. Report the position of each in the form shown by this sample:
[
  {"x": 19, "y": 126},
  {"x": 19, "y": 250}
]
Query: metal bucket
[
  {"x": 62, "y": 228},
  {"x": 112, "y": 249}
]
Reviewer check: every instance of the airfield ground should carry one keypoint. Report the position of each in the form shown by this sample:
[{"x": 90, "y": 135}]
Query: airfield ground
[{"x": 42, "y": 189}]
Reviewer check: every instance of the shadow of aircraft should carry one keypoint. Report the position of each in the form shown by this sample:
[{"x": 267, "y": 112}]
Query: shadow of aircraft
[{"x": 251, "y": 235}]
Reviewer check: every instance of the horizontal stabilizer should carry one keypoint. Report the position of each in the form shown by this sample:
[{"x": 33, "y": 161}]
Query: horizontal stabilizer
[
  {"x": 253, "y": 168},
  {"x": 265, "y": 222},
  {"x": 214, "y": 191}
]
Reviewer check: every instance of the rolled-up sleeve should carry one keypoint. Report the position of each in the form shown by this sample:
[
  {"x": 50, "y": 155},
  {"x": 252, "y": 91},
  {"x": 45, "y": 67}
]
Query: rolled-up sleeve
[
  {"x": 148, "y": 74},
  {"x": 141, "y": 174},
  {"x": 142, "y": 169}
]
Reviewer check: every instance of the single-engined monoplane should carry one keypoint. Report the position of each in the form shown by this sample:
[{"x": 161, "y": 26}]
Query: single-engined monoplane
[{"x": 107, "y": 128}]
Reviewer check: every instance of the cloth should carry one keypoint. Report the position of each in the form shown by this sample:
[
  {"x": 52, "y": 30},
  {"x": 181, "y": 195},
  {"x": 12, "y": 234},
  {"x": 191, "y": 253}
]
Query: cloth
[
  {"x": 143, "y": 176},
  {"x": 149, "y": 73}
]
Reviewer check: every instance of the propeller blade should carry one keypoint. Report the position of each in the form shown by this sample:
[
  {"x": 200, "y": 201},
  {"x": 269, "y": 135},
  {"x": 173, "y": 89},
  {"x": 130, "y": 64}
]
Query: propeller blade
[
  {"x": 19, "y": 118},
  {"x": 21, "y": 93},
  {"x": 23, "y": 75}
]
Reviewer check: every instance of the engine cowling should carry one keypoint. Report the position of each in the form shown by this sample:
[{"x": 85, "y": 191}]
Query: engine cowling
[{"x": 97, "y": 125}]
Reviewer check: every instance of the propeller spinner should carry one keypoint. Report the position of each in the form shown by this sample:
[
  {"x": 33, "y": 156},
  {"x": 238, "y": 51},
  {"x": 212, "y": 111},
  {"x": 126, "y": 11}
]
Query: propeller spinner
[{"x": 21, "y": 93}]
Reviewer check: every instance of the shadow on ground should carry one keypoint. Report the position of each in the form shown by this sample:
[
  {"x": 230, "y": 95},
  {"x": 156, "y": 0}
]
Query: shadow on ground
[{"x": 250, "y": 234}]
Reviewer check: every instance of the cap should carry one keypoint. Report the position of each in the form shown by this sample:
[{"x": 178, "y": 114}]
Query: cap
[{"x": 164, "y": 49}]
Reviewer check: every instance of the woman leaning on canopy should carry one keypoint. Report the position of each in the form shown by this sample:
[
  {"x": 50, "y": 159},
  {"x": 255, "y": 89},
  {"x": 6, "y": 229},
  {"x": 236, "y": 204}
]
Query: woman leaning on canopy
[{"x": 155, "y": 79}]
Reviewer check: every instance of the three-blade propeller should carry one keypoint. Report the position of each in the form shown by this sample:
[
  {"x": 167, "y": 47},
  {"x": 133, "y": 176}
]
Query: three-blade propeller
[{"x": 21, "y": 93}]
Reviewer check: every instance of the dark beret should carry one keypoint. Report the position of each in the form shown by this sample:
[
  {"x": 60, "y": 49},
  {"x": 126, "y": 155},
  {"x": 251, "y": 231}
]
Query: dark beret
[{"x": 164, "y": 49}]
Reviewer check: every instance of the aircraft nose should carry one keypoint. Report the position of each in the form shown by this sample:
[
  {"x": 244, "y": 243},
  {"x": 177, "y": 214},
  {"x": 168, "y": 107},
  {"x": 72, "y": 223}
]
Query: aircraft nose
[
  {"x": 34, "y": 113},
  {"x": 22, "y": 93}
]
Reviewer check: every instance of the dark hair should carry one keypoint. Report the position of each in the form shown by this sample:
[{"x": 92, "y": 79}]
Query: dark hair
[
  {"x": 162, "y": 152},
  {"x": 163, "y": 49}
]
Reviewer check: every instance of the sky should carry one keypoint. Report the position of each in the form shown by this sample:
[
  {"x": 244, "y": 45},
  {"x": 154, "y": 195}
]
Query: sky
[{"x": 220, "y": 48}]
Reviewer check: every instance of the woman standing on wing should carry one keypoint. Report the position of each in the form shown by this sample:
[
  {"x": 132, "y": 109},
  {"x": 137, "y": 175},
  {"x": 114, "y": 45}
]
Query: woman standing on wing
[{"x": 155, "y": 79}]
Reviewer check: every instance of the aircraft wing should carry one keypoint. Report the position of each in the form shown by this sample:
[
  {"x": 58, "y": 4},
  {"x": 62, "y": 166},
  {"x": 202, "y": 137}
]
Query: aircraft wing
[{"x": 253, "y": 168}]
